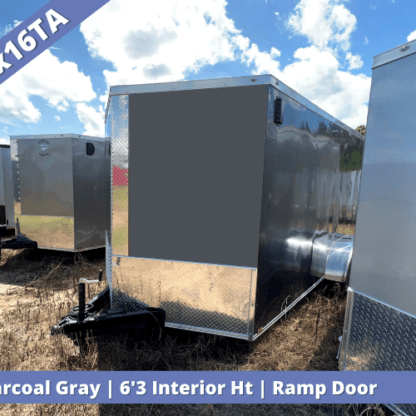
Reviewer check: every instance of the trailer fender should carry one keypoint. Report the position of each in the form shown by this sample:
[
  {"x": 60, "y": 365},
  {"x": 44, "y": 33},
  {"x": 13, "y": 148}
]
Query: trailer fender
[{"x": 331, "y": 257}]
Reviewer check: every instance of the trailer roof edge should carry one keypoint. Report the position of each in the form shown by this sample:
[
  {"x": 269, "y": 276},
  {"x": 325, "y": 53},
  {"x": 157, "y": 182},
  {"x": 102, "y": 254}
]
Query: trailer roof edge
[
  {"x": 57, "y": 136},
  {"x": 391, "y": 55},
  {"x": 226, "y": 82}
]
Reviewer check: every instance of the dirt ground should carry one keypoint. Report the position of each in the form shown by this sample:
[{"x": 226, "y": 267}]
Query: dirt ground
[{"x": 38, "y": 287}]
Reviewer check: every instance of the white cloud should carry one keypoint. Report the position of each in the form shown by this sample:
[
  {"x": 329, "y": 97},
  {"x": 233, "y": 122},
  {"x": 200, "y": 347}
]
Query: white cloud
[
  {"x": 264, "y": 62},
  {"x": 274, "y": 53},
  {"x": 57, "y": 118},
  {"x": 317, "y": 76},
  {"x": 412, "y": 36},
  {"x": 340, "y": 93},
  {"x": 59, "y": 83},
  {"x": 366, "y": 42},
  {"x": 324, "y": 22},
  {"x": 162, "y": 41},
  {"x": 92, "y": 119},
  {"x": 5, "y": 30},
  {"x": 316, "y": 72},
  {"x": 175, "y": 39},
  {"x": 8, "y": 28},
  {"x": 4, "y": 140},
  {"x": 328, "y": 25},
  {"x": 355, "y": 61},
  {"x": 373, "y": 7}
]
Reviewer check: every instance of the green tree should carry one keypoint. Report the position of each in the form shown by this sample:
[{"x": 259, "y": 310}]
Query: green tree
[{"x": 361, "y": 129}]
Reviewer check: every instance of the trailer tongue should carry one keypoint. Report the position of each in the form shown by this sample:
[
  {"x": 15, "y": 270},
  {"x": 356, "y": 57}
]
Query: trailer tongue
[{"x": 89, "y": 319}]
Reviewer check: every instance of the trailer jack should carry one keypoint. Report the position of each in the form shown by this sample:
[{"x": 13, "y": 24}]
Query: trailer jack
[{"x": 85, "y": 320}]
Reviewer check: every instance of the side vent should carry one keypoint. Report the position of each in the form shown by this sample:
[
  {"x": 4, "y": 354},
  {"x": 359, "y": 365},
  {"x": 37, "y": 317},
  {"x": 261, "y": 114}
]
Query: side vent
[
  {"x": 90, "y": 149},
  {"x": 278, "y": 116}
]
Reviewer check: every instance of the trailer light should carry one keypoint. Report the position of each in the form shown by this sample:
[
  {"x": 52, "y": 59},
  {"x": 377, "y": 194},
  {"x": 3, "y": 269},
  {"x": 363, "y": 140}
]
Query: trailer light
[{"x": 43, "y": 145}]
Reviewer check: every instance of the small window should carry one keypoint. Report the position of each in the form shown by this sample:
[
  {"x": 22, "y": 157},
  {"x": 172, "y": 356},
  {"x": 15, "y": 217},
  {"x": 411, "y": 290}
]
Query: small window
[{"x": 90, "y": 149}]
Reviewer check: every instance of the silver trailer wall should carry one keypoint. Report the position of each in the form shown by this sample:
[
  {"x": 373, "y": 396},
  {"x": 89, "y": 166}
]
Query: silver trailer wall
[
  {"x": 380, "y": 326},
  {"x": 6, "y": 188},
  {"x": 62, "y": 190},
  {"x": 216, "y": 208},
  {"x": 2, "y": 189}
]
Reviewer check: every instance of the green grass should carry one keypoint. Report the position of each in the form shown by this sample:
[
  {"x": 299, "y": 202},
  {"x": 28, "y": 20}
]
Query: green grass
[
  {"x": 121, "y": 196},
  {"x": 120, "y": 238},
  {"x": 44, "y": 223}
]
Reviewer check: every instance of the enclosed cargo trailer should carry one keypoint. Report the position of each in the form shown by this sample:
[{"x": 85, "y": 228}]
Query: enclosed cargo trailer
[
  {"x": 6, "y": 188},
  {"x": 380, "y": 325},
  {"x": 228, "y": 196},
  {"x": 61, "y": 190}
]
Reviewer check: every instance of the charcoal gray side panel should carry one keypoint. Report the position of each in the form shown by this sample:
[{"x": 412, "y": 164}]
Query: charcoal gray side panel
[
  {"x": 195, "y": 174},
  {"x": 310, "y": 172}
]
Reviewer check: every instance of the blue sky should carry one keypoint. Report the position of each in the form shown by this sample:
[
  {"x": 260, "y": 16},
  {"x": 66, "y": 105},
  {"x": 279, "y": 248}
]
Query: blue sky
[{"x": 323, "y": 49}]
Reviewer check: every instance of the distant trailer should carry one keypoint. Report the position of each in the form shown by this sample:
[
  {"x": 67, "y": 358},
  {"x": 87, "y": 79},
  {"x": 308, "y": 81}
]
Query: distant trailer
[
  {"x": 61, "y": 190},
  {"x": 231, "y": 200},
  {"x": 380, "y": 325},
  {"x": 6, "y": 188}
]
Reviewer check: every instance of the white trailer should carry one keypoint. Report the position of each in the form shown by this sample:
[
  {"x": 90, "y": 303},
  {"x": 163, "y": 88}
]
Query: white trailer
[
  {"x": 380, "y": 325},
  {"x": 61, "y": 188},
  {"x": 6, "y": 188}
]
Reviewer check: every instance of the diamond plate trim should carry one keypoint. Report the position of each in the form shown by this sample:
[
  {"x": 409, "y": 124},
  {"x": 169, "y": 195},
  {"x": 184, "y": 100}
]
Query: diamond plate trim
[
  {"x": 252, "y": 302},
  {"x": 14, "y": 153},
  {"x": 117, "y": 129},
  {"x": 403, "y": 409},
  {"x": 199, "y": 297},
  {"x": 380, "y": 338},
  {"x": 346, "y": 330},
  {"x": 109, "y": 266}
]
